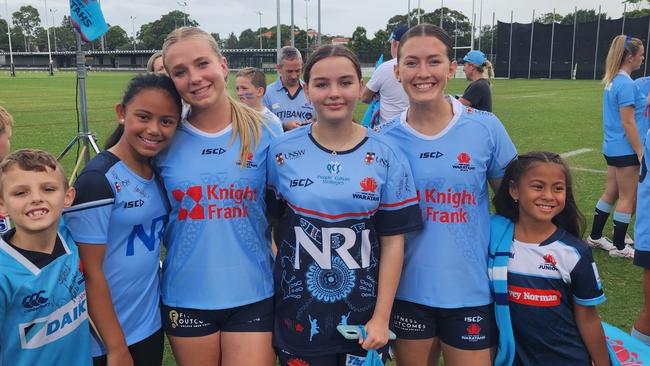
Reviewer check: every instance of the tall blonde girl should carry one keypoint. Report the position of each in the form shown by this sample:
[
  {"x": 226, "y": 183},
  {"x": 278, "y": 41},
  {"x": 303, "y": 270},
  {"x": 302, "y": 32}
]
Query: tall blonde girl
[{"x": 217, "y": 285}]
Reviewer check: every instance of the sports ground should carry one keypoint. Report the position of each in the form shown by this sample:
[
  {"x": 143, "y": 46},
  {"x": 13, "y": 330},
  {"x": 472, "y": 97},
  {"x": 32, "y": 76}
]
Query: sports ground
[{"x": 563, "y": 116}]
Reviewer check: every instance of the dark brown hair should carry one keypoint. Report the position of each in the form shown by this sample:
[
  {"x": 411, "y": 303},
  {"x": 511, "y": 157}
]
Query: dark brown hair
[
  {"x": 329, "y": 50},
  {"x": 427, "y": 30}
]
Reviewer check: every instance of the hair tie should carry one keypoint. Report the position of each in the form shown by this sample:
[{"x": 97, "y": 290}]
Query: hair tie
[{"x": 627, "y": 41}]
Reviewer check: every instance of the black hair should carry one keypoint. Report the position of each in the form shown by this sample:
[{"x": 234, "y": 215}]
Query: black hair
[
  {"x": 139, "y": 83},
  {"x": 570, "y": 219},
  {"x": 329, "y": 50},
  {"x": 427, "y": 30}
]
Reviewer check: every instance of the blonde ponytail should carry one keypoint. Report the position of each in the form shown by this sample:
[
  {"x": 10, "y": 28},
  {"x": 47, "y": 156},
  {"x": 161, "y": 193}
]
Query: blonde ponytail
[{"x": 621, "y": 47}]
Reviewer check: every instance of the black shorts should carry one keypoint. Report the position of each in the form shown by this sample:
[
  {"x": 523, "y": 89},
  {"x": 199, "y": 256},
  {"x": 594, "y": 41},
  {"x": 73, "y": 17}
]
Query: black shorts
[
  {"x": 622, "y": 161},
  {"x": 147, "y": 352},
  {"x": 472, "y": 328},
  {"x": 337, "y": 359},
  {"x": 186, "y": 322}
]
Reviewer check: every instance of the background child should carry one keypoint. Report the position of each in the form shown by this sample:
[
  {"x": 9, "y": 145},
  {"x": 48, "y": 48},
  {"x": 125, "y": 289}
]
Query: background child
[
  {"x": 42, "y": 291},
  {"x": 6, "y": 124},
  {"x": 552, "y": 282},
  {"x": 250, "y": 85},
  {"x": 118, "y": 219},
  {"x": 641, "y": 329}
]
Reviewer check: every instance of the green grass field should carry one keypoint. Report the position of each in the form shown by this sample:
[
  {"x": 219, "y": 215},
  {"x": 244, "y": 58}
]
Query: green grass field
[{"x": 555, "y": 115}]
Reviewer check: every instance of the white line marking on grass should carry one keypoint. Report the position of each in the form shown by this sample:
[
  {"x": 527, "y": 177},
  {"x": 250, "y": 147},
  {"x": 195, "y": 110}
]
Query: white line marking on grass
[
  {"x": 575, "y": 152},
  {"x": 589, "y": 170},
  {"x": 528, "y": 96}
]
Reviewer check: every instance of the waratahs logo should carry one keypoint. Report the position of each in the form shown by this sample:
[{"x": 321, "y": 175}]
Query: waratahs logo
[
  {"x": 464, "y": 162},
  {"x": 369, "y": 185}
]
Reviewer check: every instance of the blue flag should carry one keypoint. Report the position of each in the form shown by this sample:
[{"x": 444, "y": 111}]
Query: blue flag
[
  {"x": 371, "y": 117},
  {"x": 87, "y": 17},
  {"x": 624, "y": 349}
]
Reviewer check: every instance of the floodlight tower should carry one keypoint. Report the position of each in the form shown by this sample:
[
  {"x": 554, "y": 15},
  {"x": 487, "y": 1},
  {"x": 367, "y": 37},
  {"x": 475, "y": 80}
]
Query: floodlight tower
[
  {"x": 259, "y": 12},
  {"x": 12, "y": 68},
  {"x": 184, "y": 5},
  {"x": 133, "y": 29},
  {"x": 49, "y": 49},
  {"x": 53, "y": 11}
]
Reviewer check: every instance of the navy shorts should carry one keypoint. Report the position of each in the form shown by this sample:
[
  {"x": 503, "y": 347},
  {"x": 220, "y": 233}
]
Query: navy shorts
[
  {"x": 186, "y": 322},
  {"x": 622, "y": 161},
  {"x": 471, "y": 328},
  {"x": 337, "y": 359},
  {"x": 147, "y": 352}
]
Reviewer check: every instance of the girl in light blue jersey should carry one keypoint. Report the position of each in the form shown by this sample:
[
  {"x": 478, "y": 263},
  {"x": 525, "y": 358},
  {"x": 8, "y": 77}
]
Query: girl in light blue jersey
[
  {"x": 641, "y": 329},
  {"x": 217, "y": 286},
  {"x": 118, "y": 219},
  {"x": 443, "y": 302},
  {"x": 624, "y": 128}
]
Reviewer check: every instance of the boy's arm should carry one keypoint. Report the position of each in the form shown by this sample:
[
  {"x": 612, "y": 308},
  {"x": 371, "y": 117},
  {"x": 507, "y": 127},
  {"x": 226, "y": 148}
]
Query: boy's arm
[
  {"x": 592, "y": 333},
  {"x": 100, "y": 305},
  {"x": 390, "y": 269}
]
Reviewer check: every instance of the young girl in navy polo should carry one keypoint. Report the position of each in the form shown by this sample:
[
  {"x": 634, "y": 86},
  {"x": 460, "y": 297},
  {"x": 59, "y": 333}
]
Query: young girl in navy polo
[
  {"x": 344, "y": 199},
  {"x": 543, "y": 275},
  {"x": 118, "y": 218},
  {"x": 624, "y": 127},
  {"x": 443, "y": 301}
]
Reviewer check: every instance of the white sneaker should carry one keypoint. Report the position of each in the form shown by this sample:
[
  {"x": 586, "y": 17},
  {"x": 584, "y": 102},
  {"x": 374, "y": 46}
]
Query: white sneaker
[
  {"x": 627, "y": 252},
  {"x": 628, "y": 239},
  {"x": 601, "y": 243}
]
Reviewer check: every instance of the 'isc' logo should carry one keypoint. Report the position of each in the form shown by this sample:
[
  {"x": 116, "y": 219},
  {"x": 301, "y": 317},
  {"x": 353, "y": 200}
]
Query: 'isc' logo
[
  {"x": 301, "y": 182},
  {"x": 133, "y": 204},
  {"x": 217, "y": 151},
  {"x": 431, "y": 155}
]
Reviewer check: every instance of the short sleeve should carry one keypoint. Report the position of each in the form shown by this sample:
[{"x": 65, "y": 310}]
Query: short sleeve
[
  {"x": 378, "y": 77},
  {"x": 88, "y": 218},
  {"x": 625, "y": 96},
  {"x": 503, "y": 150},
  {"x": 399, "y": 210},
  {"x": 473, "y": 93},
  {"x": 274, "y": 202},
  {"x": 585, "y": 282}
]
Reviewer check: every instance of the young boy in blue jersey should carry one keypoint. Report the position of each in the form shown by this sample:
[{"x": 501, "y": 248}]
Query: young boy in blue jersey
[
  {"x": 6, "y": 124},
  {"x": 43, "y": 310},
  {"x": 250, "y": 85}
]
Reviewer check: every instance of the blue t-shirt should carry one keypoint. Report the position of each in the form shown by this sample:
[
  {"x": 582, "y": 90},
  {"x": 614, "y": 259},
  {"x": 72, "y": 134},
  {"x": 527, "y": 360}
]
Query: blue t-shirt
[
  {"x": 332, "y": 209},
  {"x": 218, "y": 240},
  {"x": 119, "y": 209},
  {"x": 286, "y": 106},
  {"x": 445, "y": 264},
  {"x": 43, "y": 311},
  {"x": 544, "y": 282},
  {"x": 642, "y": 224},
  {"x": 622, "y": 92}
]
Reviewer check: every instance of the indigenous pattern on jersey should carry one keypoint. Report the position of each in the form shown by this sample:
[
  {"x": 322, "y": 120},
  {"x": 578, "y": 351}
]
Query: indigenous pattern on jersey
[
  {"x": 43, "y": 312},
  {"x": 445, "y": 264},
  {"x": 128, "y": 214},
  {"x": 5, "y": 224},
  {"x": 218, "y": 240},
  {"x": 642, "y": 224},
  {"x": 332, "y": 209},
  {"x": 288, "y": 107},
  {"x": 622, "y": 92},
  {"x": 544, "y": 282}
]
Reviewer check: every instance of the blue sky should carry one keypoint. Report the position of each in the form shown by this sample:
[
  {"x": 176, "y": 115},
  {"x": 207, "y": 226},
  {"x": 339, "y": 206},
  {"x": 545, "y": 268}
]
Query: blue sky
[{"x": 339, "y": 17}]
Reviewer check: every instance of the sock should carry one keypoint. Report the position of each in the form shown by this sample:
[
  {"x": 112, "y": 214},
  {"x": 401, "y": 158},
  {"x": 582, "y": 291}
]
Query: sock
[
  {"x": 601, "y": 215},
  {"x": 640, "y": 336},
  {"x": 621, "y": 222}
]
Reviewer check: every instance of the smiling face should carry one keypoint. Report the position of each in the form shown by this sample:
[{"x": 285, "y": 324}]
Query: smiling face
[
  {"x": 198, "y": 72},
  {"x": 424, "y": 68},
  {"x": 541, "y": 192},
  {"x": 34, "y": 199},
  {"x": 333, "y": 89},
  {"x": 150, "y": 119}
]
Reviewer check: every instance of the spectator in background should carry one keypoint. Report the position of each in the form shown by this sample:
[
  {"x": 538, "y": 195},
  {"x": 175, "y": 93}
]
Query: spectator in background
[
  {"x": 285, "y": 97},
  {"x": 477, "y": 94},
  {"x": 155, "y": 63},
  {"x": 250, "y": 86},
  {"x": 384, "y": 84}
]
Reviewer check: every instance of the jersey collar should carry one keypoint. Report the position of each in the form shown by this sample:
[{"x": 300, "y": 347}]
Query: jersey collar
[{"x": 457, "y": 109}]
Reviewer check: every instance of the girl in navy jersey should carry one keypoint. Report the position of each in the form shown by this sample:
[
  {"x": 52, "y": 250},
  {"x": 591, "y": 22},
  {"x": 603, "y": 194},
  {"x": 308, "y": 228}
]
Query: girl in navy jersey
[
  {"x": 443, "y": 302},
  {"x": 624, "y": 127},
  {"x": 545, "y": 280},
  {"x": 217, "y": 285},
  {"x": 344, "y": 199},
  {"x": 118, "y": 218}
]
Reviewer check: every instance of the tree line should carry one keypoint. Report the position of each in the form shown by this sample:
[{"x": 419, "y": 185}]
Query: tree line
[{"x": 28, "y": 34}]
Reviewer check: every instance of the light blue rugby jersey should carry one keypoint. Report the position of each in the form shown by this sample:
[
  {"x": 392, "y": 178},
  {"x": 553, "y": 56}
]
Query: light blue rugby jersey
[
  {"x": 218, "y": 240},
  {"x": 43, "y": 312},
  {"x": 642, "y": 224},
  {"x": 445, "y": 264},
  {"x": 332, "y": 209},
  {"x": 622, "y": 92},
  {"x": 119, "y": 209},
  {"x": 286, "y": 107}
]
